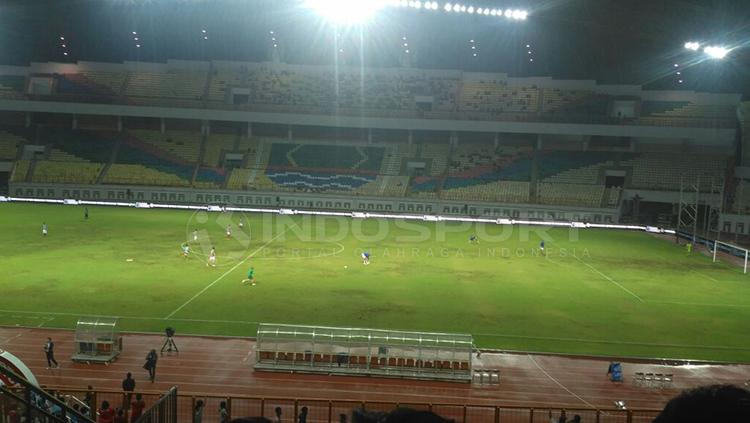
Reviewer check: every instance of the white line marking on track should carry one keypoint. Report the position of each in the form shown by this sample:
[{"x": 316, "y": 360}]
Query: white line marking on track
[
  {"x": 560, "y": 384},
  {"x": 228, "y": 272},
  {"x": 610, "y": 279}
]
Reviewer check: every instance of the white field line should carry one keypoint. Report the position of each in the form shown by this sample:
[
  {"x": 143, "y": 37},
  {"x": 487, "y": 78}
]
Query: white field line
[
  {"x": 699, "y": 304},
  {"x": 610, "y": 279},
  {"x": 498, "y": 335},
  {"x": 239, "y": 263},
  {"x": 704, "y": 275},
  {"x": 560, "y": 384}
]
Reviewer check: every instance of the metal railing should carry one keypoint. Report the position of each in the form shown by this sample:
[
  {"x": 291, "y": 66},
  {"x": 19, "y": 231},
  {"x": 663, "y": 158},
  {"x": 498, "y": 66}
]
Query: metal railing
[
  {"x": 164, "y": 410},
  {"x": 21, "y": 398},
  {"x": 173, "y": 407}
]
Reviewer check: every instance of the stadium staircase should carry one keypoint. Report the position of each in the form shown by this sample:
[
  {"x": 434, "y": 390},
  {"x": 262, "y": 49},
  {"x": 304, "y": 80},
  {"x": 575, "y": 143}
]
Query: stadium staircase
[
  {"x": 111, "y": 161},
  {"x": 22, "y": 401},
  {"x": 201, "y": 157}
]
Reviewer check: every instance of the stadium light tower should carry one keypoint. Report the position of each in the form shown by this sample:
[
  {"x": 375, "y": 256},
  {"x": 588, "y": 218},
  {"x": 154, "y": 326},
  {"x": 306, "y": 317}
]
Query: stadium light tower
[
  {"x": 716, "y": 52},
  {"x": 347, "y": 12}
]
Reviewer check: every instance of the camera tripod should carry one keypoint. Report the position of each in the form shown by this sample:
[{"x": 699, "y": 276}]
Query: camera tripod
[{"x": 169, "y": 345}]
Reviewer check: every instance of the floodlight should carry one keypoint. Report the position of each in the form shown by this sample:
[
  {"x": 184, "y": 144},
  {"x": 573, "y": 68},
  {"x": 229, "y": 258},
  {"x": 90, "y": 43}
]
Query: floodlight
[
  {"x": 65, "y": 53},
  {"x": 448, "y": 7},
  {"x": 346, "y": 11},
  {"x": 480, "y": 10},
  {"x": 463, "y": 8},
  {"x": 486, "y": 12},
  {"x": 470, "y": 10},
  {"x": 417, "y": 5},
  {"x": 508, "y": 13},
  {"x": 522, "y": 15},
  {"x": 456, "y": 7},
  {"x": 716, "y": 52},
  {"x": 493, "y": 12},
  {"x": 692, "y": 45}
]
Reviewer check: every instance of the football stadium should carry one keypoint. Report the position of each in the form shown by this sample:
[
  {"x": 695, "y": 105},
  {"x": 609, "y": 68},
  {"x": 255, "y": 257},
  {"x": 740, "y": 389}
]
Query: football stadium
[{"x": 374, "y": 211}]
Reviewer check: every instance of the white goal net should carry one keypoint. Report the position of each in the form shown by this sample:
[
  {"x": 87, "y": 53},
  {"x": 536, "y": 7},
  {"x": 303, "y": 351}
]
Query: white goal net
[{"x": 732, "y": 253}]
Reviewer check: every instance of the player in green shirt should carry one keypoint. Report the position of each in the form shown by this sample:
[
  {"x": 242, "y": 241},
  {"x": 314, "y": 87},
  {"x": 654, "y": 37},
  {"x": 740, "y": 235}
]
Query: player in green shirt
[{"x": 250, "y": 277}]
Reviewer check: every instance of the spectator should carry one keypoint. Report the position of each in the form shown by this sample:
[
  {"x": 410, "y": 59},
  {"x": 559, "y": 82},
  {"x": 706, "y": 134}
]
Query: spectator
[
  {"x": 302, "y": 418},
  {"x": 223, "y": 412},
  {"x": 121, "y": 418},
  {"x": 136, "y": 408},
  {"x": 251, "y": 420},
  {"x": 198, "y": 412},
  {"x": 89, "y": 398},
  {"x": 277, "y": 412},
  {"x": 49, "y": 351},
  {"x": 106, "y": 414},
  {"x": 399, "y": 415},
  {"x": 342, "y": 418},
  {"x": 128, "y": 385},
  {"x": 563, "y": 418},
  {"x": 714, "y": 403},
  {"x": 150, "y": 365},
  {"x": 86, "y": 412}
]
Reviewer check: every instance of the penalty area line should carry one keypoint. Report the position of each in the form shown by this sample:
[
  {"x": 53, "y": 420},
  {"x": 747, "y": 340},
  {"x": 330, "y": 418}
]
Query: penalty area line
[
  {"x": 257, "y": 250},
  {"x": 610, "y": 279}
]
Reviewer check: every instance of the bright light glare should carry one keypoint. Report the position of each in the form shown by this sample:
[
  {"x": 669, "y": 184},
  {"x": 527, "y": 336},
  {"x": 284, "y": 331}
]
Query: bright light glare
[
  {"x": 716, "y": 52},
  {"x": 346, "y": 11},
  {"x": 692, "y": 45}
]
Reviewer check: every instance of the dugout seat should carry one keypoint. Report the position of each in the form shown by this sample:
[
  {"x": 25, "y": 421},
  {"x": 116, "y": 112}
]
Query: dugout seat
[
  {"x": 410, "y": 362},
  {"x": 374, "y": 362},
  {"x": 392, "y": 361}
]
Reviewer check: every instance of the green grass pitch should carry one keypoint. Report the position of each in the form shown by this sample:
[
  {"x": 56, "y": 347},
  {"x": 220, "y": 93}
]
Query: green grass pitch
[{"x": 602, "y": 292}]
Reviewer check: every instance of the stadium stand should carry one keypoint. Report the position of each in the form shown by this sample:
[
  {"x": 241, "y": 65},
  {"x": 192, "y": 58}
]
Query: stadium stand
[
  {"x": 20, "y": 171},
  {"x": 570, "y": 194},
  {"x": 135, "y": 174},
  {"x": 437, "y": 154},
  {"x": 87, "y": 145},
  {"x": 663, "y": 171},
  {"x": 9, "y": 144},
  {"x": 12, "y": 86},
  {"x": 395, "y": 156},
  {"x": 184, "y": 145},
  {"x": 216, "y": 145},
  {"x": 573, "y": 167},
  {"x": 112, "y": 82},
  {"x": 65, "y": 172},
  {"x": 502, "y": 191},
  {"x": 496, "y": 96},
  {"x": 472, "y": 164},
  {"x": 181, "y": 85}
]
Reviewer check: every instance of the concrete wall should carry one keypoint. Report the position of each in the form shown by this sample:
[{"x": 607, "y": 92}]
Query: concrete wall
[{"x": 310, "y": 201}]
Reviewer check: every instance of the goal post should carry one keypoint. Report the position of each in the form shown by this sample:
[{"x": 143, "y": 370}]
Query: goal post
[{"x": 732, "y": 250}]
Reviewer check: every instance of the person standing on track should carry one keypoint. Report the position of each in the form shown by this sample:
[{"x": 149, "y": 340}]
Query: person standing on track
[
  {"x": 49, "y": 351},
  {"x": 150, "y": 365}
]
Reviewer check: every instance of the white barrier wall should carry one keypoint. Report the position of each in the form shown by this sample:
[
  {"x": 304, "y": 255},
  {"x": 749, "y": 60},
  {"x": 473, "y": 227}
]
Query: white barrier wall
[{"x": 310, "y": 201}]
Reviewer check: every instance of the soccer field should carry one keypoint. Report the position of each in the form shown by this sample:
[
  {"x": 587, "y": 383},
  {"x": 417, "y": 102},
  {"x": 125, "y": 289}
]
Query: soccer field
[{"x": 602, "y": 292}]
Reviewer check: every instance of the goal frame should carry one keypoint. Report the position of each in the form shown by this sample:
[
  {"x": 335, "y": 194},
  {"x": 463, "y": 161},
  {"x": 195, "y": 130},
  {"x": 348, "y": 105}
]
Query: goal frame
[{"x": 716, "y": 248}]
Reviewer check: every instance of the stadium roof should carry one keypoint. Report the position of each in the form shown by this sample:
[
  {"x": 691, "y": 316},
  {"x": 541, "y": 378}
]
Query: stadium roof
[{"x": 635, "y": 42}]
